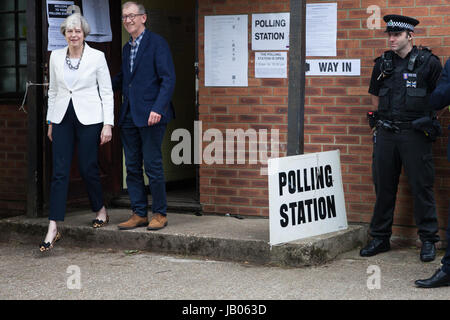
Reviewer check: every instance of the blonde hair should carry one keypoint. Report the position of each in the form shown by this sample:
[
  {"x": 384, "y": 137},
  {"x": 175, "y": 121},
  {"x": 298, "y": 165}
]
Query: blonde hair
[{"x": 73, "y": 21}]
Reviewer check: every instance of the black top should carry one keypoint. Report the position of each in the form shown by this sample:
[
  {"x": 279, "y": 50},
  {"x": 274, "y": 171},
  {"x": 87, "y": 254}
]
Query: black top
[{"x": 432, "y": 77}]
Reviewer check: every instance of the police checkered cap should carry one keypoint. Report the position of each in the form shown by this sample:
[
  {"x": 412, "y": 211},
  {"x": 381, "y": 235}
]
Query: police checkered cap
[{"x": 399, "y": 23}]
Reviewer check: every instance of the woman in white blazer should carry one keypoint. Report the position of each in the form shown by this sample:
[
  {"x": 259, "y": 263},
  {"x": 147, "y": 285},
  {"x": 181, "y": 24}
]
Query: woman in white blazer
[{"x": 80, "y": 112}]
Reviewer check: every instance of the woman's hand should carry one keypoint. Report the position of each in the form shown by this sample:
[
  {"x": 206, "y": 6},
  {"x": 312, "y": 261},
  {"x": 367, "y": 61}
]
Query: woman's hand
[
  {"x": 106, "y": 134},
  {"x": 49, "y": 132}
]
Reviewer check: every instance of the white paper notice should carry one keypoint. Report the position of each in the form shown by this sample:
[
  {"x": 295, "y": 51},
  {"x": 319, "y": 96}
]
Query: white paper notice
[
  {"x": 321, "y": 29},
  {"x": 333, "y": 67},
  {"x": 96, "y": 13},
  {"x": 270, "y": 31},
  {"x": 56, "y": 13},
  {"x": 270, "y": 64},
  {"x": 226, "y": 51}
]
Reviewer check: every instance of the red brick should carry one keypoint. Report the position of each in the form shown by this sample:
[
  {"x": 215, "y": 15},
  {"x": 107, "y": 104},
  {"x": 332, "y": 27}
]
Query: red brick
[
  {"x": 250, "y": 100},
  {"x": 273, "y": 82}
]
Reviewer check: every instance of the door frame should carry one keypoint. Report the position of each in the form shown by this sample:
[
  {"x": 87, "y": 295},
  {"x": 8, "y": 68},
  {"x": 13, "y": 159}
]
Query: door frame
[{"x": 39, "y": 150}]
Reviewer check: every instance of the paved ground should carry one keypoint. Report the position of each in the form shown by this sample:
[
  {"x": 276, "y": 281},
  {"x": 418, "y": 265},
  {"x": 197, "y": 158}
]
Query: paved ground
[
  {"x": 213, "y": 236},
  {"x": 119, "y": 274}
]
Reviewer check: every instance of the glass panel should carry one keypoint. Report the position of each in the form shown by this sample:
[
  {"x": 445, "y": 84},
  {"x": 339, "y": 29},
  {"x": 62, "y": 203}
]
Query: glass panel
[
  {"x": 22, "y": 25},
  {"x": 7, "y": 53},
  {"x": 22, "y": 4},
  {"x": 7, "y": 26},
  {"x": 7, "y": 5},
  {"x": 23, "y": 52},
  {"x": 7, "y": 80},
  {"x": 23, "y": 79}
]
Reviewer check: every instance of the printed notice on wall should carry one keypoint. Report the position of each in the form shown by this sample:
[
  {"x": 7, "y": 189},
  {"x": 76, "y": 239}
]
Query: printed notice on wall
[
  {"x": 270, "y": 31},
  {"x": 333, "y": 67},
  {"x": 321, "y": 29},
  {"x": 226, "y": 51},
  {"x": 56, "y": 13},
  {"x": 306, "y": 196},
  {"x": 97, "y": 14},
  {"x": 270, "y": 64}
]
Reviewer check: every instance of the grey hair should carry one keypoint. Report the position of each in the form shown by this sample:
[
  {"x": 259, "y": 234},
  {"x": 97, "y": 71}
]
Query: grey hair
[
  {"x": 75, "y": 20},
  {"x": 141, "y": 8}
]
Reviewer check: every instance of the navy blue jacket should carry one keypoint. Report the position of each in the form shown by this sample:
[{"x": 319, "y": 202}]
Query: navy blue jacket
[
  {"x": 151, "y": 84},
  {"x": 440, "y": 98}
]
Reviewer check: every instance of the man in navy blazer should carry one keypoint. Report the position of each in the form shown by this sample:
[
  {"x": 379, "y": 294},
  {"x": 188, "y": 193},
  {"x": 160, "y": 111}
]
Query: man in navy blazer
[
  {"x": 440, "y": 98},
  {"x": 147, "y": 82}
]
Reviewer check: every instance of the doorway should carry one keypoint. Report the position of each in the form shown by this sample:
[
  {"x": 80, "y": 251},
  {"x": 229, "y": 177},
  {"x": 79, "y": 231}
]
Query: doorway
[{"x": 176, "y": 22}]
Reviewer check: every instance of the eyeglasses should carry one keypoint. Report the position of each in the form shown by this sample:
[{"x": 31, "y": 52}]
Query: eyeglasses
[{"x": 131, "y": 16}]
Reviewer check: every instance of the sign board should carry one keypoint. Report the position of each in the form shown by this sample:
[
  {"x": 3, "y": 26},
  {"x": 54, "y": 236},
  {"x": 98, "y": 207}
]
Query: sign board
[
  {"x": 306, "y": 196},
  {"x": 57, "y": 11},
  {"x": 226, "y": 51},
  {"x": 333, "y": 67},
  {"x": 270, "y": 31},
  {"x": 271, "y": 64},
  {"x": 321, "y": 29}
]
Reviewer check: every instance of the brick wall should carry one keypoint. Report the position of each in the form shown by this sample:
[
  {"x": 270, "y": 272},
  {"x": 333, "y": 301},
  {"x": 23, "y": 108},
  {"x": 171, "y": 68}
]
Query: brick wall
[
  {"x": 13, "y": 165},
  {"x": 335, "y": 109}
]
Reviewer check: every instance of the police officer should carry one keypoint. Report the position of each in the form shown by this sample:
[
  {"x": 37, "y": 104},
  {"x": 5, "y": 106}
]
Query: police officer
[
  {"x": 402, "y": 81},
  {"x": 440, "y": 98}
]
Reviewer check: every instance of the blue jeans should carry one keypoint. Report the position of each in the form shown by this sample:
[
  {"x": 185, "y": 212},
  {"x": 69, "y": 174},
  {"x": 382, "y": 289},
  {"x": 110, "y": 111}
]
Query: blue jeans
[
  {"x": 143, "y": 146},
  {"x": 65, "y": 136}
]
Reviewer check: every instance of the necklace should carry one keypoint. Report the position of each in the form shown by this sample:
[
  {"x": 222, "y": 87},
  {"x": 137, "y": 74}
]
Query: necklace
[{"x": 69, "y": 64}]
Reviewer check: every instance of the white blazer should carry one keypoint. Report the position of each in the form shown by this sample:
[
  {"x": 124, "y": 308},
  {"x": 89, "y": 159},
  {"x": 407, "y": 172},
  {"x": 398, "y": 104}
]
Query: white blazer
[{"x": 92, "y": 95}]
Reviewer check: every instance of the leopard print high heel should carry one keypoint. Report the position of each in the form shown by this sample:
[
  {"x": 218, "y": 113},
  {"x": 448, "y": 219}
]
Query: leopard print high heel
[
  {"x": 46, "y": 246},
  {"x": 100, "y": 223}
]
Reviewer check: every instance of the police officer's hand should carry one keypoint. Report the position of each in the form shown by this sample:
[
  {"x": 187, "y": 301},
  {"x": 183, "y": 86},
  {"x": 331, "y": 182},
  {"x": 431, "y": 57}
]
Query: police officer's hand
[{"x": 154, "y": 118}]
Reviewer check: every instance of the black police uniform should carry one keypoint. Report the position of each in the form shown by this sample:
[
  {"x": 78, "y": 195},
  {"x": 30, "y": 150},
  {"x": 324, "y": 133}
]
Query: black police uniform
[
  {"x": 403, "y": 90},
  {"x": 440, "y": 98}
]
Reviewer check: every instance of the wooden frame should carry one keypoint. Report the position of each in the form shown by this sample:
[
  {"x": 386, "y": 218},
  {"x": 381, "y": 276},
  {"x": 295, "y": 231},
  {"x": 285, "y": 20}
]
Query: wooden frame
[
  {"x": 35, "y": 103},
  {"x": 296, "y": 89}
]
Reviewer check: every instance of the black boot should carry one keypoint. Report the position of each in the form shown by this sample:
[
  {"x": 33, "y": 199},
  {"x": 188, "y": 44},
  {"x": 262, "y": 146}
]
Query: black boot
[
  {"x": 428, "y": 251},
  {"x": 377, "y": 245},
  {"x": 439, "y": 279}
]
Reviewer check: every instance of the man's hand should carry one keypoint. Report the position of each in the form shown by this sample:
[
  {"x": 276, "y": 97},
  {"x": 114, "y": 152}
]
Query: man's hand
[
  {"x": 106, "y": 134},
  {"x": 154, "y": 118}
]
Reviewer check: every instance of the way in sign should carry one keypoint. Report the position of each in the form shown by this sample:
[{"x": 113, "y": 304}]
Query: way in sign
[{"x": 334, "y": 66}]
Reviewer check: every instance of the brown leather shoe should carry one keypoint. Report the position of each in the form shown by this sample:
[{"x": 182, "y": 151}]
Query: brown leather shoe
[
  {"x": 134, "y": 222},
  {"x": 158, "y": 222}
]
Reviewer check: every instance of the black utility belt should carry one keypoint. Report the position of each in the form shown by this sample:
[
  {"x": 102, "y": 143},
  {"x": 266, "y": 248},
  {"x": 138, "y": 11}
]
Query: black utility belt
[
  {"x": 403, "y": 125},
  {"x": 429, "y": 126},
  {"x": 394, "y": 126}
]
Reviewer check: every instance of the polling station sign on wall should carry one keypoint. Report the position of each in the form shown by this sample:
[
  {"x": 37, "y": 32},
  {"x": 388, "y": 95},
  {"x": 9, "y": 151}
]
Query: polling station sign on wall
[
  {"x": 306, "y": 196},
  {"x": 270, "y": 31}
]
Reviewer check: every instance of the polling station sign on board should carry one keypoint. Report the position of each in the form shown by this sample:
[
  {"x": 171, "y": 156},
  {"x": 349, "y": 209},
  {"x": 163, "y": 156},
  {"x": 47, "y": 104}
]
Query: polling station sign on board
[{"x": 306, "y": 196}]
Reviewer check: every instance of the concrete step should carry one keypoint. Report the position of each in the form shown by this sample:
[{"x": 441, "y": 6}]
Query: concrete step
[{"x": 214, "y": 237}]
